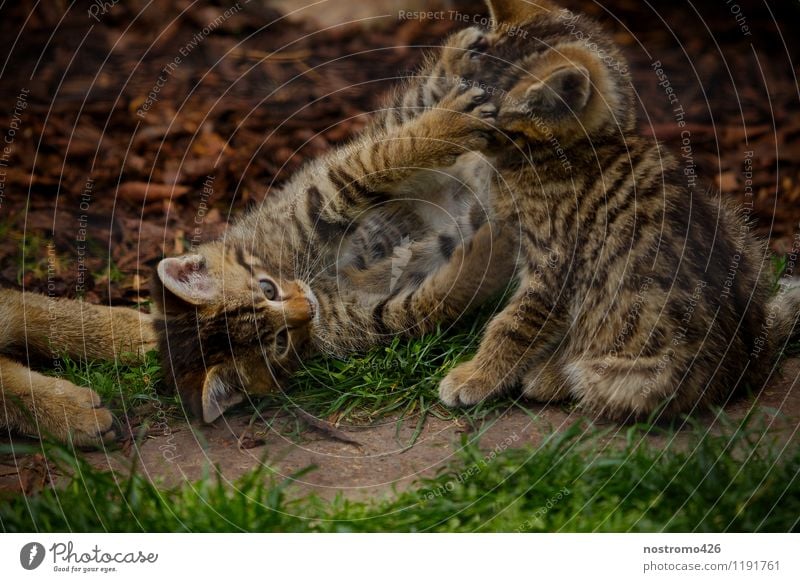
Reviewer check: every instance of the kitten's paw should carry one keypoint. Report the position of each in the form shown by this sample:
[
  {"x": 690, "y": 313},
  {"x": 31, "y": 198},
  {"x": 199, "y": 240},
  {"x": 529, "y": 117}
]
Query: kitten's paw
[
  {"x": 464, "y": 386},
  {"x": 463, "y": 50},
  {"x": 77, "y": 412},
  {"x": 473, "y": 40},
  {"x": 471, "y": 100},
  {"x": 466, "y": 119},
  {"x": 462, "y": 122}
]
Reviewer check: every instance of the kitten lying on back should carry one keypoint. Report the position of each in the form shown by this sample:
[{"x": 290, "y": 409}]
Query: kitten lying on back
[
  {"x": 626, "y": 300},
  {"x": 240, "y": 313},
  {"x": 355, "y": 307},
  {"x": 313, "y": 270}
]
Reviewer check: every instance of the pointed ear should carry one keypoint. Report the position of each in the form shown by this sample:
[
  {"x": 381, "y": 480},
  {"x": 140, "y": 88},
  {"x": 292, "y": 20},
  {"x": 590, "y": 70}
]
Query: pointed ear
[
  {"x": 219, "y": 393},
  {"x": 188, "y": 279},
  {"x": 563, "y": 92},
  {"x": 505, "y": 12}
]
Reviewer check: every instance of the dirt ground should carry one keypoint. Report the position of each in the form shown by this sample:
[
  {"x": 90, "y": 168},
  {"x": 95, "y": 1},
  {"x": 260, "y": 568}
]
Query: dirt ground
[
  {"x": 93, "y": 152},
  {"x": 379, "y": 460},
  {"x": 96, "y": 152},
  {"x": 382, "y": 461}
]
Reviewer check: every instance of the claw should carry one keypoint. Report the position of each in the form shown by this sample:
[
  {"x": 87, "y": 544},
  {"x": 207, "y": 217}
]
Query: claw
[
  {"x": 480, "y": 100},
  {"x": 488, "y": 111}
]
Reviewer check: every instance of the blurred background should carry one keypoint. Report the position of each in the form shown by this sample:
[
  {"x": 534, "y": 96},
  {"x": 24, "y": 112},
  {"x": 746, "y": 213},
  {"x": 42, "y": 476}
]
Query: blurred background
[{"x": 133, "y": 129}]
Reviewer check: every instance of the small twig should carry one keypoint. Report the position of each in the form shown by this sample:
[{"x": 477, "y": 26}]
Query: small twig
[{"x": 326, "y": 428}]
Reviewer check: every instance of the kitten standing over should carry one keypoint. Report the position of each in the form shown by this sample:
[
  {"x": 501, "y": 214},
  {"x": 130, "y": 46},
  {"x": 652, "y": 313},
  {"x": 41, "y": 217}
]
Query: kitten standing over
[{"x": 623, "y": 301}]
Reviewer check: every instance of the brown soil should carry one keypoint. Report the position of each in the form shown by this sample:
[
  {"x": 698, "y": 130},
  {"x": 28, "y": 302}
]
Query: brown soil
[{"x": 382, "y": 460}]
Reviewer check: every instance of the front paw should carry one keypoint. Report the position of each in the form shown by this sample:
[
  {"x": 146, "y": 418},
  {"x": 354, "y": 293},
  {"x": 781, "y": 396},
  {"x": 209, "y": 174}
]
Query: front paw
[
  {"x": 463, "y": 51},
  {"x": 465, "y": 121},
  {"x": 472, "y": 101},
  {"x": 76, "y": 413},
  {"x": 464, "y": 386}
]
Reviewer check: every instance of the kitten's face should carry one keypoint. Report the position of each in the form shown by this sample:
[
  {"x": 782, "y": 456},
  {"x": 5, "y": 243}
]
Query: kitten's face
[
  {"x": 230, "y": 327},
  {"x": 552, "y": 73}
]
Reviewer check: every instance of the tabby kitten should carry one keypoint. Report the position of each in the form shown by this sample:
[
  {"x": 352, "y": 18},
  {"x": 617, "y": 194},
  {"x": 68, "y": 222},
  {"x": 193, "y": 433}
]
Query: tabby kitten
[
  {"x": 637, "y": 293},
  {"x": 289, "y": 279},
  {"x": 36, "y": 327}
]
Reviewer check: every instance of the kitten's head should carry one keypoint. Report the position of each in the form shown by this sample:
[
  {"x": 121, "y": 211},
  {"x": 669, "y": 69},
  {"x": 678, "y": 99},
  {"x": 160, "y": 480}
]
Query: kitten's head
[
  {"x": 557, "y": 74},
  {"x": 230, "y": 328}
]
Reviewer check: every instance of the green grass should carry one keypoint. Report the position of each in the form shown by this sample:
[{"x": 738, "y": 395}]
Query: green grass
[
  {"x": 133, "y": 383},
  {"x": 398, "y": 380},
  {"x": 573, "y": 482},
  {"x": 127, "y": 389},
  {"x": 37, "y": 256}
]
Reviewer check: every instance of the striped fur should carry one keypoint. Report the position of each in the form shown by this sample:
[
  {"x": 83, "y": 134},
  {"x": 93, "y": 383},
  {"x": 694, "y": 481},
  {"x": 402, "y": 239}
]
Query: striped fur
[
  {"x": 35, "y": 327},
  {"x": 638, "y": 292},
  {"x": 388, "y": 235},
  {"x": 362, "y": 245}
]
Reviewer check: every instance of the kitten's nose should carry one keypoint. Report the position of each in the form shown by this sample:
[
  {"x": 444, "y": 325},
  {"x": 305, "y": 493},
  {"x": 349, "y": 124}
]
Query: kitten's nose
[{"x": 297, "y": 311}]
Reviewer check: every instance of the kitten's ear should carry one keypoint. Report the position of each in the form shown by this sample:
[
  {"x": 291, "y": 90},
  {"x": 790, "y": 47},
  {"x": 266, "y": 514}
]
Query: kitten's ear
[
  {"x": 187, "y": 279},
  {"x": 219, "y": 393},
  {"x": 564, "y": 91},
  {"x": 505, "y": 12}
]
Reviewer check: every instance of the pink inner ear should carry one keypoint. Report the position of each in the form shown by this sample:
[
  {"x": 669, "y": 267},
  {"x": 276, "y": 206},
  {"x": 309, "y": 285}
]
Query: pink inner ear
[{"x": 187, "y": 277}]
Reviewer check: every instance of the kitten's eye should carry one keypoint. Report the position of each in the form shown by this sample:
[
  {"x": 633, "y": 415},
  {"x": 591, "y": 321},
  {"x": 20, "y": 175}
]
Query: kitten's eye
[
  {"x": 281, "y": 341},
  {"x": 269, "y": 289}
]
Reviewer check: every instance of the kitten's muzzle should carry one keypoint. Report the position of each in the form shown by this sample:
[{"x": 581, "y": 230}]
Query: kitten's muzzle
[{"x": 298, "y": 311}]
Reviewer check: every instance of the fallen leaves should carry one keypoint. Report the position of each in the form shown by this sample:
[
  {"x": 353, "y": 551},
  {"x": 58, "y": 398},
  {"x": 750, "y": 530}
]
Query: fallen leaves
[
  {"x": 150, "y": 192},
  {"x": 34, "y": 474},
  {"x": 260, "y": 96}
]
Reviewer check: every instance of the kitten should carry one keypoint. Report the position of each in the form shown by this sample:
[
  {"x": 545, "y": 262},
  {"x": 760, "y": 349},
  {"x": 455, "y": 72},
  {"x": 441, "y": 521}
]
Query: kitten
[
  {"x": 332, "y": 264},
  {"x": 36, "y": 327},
  {"x": 290, "y": 279},
  {"x": 637, "y": 293}
]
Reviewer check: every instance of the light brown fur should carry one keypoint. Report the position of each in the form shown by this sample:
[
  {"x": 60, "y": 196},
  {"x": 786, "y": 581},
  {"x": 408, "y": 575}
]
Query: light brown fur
[{"x": 32, "y": 326}]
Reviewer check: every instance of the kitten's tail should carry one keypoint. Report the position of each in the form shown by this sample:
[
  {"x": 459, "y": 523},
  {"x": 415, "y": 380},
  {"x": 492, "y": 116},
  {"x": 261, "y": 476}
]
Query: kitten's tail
[{"x": 783, "y": 315}]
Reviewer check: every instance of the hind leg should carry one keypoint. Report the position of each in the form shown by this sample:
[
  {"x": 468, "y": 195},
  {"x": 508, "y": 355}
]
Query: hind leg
[
  {"x": 546, "y": 382},
  {"x": 38, "y": 405},
  {"x": 44, "y": 325},
  {"x": 629, "y": 388}
]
